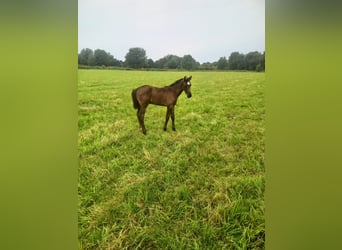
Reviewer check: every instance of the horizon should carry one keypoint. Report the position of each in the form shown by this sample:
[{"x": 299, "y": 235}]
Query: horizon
[{"x": 154, "y": 60}]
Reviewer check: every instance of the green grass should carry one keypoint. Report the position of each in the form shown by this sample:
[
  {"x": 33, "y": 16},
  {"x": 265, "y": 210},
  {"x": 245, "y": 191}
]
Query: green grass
[{"x": 201, "y": 187}]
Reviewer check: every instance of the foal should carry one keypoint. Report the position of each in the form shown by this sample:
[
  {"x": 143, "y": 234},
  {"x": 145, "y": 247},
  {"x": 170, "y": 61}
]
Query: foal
[{"x": 167, "y": 96}]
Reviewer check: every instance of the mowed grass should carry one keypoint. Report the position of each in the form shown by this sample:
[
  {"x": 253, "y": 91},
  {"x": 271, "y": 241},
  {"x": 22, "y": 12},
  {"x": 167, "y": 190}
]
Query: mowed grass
[{"x": 201, "y": 187}]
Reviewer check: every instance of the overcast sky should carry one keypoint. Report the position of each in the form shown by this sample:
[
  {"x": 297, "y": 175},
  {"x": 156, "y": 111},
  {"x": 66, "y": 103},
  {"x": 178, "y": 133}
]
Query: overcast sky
[{"x": 205, "y": 29}]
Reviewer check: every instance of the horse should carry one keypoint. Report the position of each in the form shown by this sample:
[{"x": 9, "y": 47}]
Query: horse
[{"x": 166, "y": 96}]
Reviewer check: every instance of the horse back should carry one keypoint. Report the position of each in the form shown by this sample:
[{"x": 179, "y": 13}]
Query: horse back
[
  {"x": 163, "y": 96},
  {"x": 147, "y": 94}
]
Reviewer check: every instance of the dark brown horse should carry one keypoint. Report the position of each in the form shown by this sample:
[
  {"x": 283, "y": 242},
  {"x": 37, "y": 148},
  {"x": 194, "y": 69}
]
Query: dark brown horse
[{"x": 166, "y": 96}]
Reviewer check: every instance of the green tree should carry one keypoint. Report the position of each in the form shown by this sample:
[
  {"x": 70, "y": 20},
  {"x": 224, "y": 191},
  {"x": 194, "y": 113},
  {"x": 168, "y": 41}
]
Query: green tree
[
  {"x": 102, "y": 57},
  {"x": 207, "y": 66},
  {"x": 86, "y": 57},
  {"x": 150, "y": 63},
  {"x": 253, "y": 59},
  {"x": 169, "y": 62},
  {"x": 236, "y": 61},
  {"x": 113, "y": 61},
  {"x": 136, "y": 58},
  {"x": 160, "y": 63},
  {"x": 262, "y": 63},
  {"x": 173, "y": 62},
  {"x": 222, "y": 63},
  {"x": 189, "y": 63}
]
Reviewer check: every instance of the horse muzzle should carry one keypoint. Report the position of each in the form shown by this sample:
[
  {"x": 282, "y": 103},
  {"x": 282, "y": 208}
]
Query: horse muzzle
[{"x": 189, "y": 95}]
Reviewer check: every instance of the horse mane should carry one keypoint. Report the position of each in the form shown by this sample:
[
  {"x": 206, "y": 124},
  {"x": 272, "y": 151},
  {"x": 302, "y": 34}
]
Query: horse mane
[{"x": 176, "y": 82}]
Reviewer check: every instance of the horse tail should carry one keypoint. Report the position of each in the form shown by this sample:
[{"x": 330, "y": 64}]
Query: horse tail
[{"x": 136, "y": 104}]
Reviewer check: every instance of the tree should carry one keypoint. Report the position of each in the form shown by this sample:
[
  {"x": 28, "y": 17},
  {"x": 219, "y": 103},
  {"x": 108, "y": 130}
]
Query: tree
[
  {"x": 222, "y": 63},
  {"x": 102, "y": 58},
  {"x": 173, "y": 62},
  {"x": 207, "y": 66},
  {"x": 150, "y": 63},
  {"x": 253, "y": 59},
  {"x": 236, "y": 61},
  {"x": 262, "y": 63},
  {"x": 98, "y": 57},
  {"x": 189, "y": 63},
  {"x": 160, "y": 63},
  {"x": 86, "y": 57},
  {"x": 169, "y": 62},
  {"x": 136, "y": 58}
]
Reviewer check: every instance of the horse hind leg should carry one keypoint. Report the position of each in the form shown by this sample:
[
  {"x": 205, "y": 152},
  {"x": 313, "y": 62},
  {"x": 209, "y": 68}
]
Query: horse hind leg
[
  {"x": 138, "y": 117},
  {"x": 141, "y": 116}
]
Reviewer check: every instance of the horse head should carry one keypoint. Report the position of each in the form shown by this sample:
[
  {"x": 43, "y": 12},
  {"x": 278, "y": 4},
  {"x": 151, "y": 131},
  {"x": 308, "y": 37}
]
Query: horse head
[{"x": 187, "y": 86}]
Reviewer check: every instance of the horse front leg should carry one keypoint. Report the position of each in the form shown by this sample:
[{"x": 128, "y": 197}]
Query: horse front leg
[
  {"x": 173, "y": 118},
  {"x": 167, "y": 117}
]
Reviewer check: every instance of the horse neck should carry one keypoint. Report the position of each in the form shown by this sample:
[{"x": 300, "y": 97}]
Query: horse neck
[{"x": 177, "y": 88}]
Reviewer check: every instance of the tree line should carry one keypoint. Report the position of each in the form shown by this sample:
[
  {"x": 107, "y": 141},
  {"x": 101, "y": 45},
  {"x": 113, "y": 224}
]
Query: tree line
[{"x": 136, "y": 58}]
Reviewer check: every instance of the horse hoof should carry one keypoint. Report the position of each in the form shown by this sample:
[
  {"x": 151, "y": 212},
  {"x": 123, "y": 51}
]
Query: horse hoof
[
  {"x": 164, "y": 129},
  {"x": 174, "y": 129}
]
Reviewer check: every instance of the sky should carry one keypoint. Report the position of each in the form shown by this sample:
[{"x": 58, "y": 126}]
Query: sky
[{"x": 205, "y": 29}]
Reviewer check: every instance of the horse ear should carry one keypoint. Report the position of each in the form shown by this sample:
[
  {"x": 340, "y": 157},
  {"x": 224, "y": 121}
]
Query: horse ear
[
  {"x": 189, "y": 78},
  {"x": 184, "y": 78}
]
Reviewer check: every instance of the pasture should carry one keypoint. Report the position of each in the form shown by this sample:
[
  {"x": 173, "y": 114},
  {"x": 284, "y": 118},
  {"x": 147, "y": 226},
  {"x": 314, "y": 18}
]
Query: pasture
[{"x": 200, "y": 187}]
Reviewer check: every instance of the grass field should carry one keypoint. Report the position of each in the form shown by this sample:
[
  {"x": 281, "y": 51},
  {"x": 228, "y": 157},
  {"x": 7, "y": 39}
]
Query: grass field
[{"x": 201, "y": 187}]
